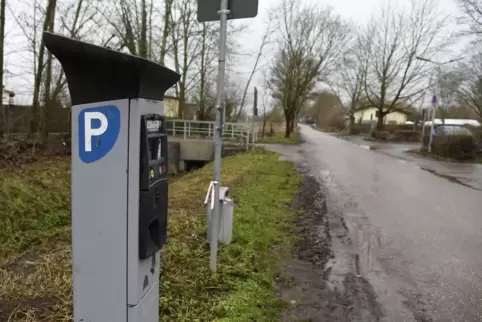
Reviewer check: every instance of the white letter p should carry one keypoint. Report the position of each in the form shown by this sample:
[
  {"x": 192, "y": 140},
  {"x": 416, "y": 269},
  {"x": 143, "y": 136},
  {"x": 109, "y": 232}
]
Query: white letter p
[{"x": 89, "y": 131}]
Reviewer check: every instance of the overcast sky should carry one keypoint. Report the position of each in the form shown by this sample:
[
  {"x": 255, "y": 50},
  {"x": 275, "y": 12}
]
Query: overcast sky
[{"x": 357, "y": 11}]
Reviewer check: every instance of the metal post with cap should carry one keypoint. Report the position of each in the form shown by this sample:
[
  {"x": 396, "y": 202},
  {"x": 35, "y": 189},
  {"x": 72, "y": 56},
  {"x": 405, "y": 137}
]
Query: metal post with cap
[{"x": 209, "y": 10}]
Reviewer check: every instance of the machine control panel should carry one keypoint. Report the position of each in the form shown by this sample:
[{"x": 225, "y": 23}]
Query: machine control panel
[{"x": 153, "y": 185}]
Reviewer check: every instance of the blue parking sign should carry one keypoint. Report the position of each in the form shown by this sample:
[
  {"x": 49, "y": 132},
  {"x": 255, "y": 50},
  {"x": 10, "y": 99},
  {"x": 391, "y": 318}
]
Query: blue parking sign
[{"x": 99, "y": 129}]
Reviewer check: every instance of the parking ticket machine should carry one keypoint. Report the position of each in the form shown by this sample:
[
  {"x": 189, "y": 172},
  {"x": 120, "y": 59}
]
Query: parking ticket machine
[{"x": 119, "y": 180}]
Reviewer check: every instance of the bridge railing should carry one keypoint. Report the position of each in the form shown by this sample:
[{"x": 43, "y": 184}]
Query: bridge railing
[{"x": 189, "y": 129}]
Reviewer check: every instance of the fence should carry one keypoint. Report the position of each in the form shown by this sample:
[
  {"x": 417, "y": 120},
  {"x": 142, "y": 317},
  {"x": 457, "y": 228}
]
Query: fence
[
  {"x": 16, "y": 119},
  {"x": 233, "y": 132}
]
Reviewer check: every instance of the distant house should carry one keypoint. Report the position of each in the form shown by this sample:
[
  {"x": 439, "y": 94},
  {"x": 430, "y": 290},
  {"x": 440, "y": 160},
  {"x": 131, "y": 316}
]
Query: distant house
[
  {"x": 370, "y": 115},
  {"x": 171, "y": 108},
  {"x": 8, "y": 97}
]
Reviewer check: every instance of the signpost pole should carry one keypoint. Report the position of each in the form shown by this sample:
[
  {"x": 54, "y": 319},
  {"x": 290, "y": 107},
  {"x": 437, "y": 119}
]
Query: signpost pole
[
  {"x": 218, "y": 139},
  {"x": 434, "y": 104},
  {"x": 255, "y": 113}
]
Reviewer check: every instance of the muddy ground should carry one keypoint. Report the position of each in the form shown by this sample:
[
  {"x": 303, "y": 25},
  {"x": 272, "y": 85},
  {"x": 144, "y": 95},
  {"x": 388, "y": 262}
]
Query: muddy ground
[{"x": 308, "y": 284}]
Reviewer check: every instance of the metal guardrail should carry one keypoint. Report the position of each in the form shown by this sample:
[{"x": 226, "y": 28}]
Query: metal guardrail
[{"x": 235, "y": 132}]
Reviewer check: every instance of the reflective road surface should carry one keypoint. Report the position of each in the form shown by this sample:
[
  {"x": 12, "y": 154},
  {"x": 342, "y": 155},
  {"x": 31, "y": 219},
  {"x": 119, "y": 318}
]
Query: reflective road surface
[{"x": 419, "y": 236}]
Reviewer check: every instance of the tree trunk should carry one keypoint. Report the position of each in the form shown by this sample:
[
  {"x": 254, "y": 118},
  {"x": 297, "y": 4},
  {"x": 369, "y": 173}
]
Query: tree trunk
[
  {"x": 287, "y": 127},
  {"x": 292, "y": 124},
  {"x": 34, "y": 117},
  {"x": 202, "y": 74},
  {"x": 182, "y": 99},
  {"x": 166, "y": 30},
  {"x": 143, "y": 46},
  {"x": 265, "y": 120},
  {"x": 380, "y": 118},
  {"x": 47, "y": 102},
  {"x": 351, "y": 124},
  {"x": 3, "y": 123}
]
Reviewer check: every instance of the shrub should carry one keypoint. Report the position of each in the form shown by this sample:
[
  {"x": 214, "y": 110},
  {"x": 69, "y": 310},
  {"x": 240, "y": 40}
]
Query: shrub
[
  {"x": 407, "y": 135},
  {"x": 380, "y": 135},
  {"x": 361, "y": 128},
  {"x": 456, "y": 147}
]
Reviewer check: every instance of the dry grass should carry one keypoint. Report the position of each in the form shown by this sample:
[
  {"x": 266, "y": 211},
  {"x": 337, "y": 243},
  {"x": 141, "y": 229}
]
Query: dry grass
[{"x": 35, "y": 266}]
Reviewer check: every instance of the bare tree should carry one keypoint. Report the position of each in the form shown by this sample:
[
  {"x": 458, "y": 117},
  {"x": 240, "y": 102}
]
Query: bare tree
[
  {"x": 265, "y": 102},
  {"x": 40, "y": 67},
  {"x": 233, "y": 97},
  {"x": 310, "y": 39},
  {"x": 472, "y": 10},
  {"x": 166, "y": 30},
  {"x": 45, "y": 112},
  {"x": 206, "y": 81},
  {"x": 348, "y": 82},
  {"x": 265, "y": 41},
  {"x": 186, "y": 42},
  {"x": 130, "y": 22},
  {"x": 470, "y": 91},
  {"x": 264, "y": 106},
  {"x": 74, "y": 18},
  {"x": 393, "y": 41},
  {"x": 448, "y": 88},
  {"x": 77, "y": 20},
  {"x": 205, "y": 98}
]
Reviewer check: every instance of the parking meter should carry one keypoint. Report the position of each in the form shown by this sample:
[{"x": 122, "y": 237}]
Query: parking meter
[{"x": 119, "y": 180}]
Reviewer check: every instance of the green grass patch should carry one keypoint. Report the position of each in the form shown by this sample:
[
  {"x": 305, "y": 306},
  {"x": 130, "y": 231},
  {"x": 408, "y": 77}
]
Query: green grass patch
[
  {"x": 34, "y": 207},
  {"x": 35, "y": 267},
  {"x": 279, "y": 138}
]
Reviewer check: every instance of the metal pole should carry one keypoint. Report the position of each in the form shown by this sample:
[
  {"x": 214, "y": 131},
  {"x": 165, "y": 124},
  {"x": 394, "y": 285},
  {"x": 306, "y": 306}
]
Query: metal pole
[
  {"x": 218, "y": 143},
  {"x": 423, "y": 124},
  {"x": 425, "y": 115},
  {"x": 434, "y": 103},
  {"x": 252, "y": 137}
]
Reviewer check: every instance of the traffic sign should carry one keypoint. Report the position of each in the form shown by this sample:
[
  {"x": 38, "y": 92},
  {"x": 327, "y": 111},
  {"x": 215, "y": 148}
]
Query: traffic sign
[
  {"x": 208, "y": 10},
  {"x": 99, "y": 128}
]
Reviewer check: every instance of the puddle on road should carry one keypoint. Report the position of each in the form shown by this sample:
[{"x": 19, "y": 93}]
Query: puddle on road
[{"x": 450, "y": 178}]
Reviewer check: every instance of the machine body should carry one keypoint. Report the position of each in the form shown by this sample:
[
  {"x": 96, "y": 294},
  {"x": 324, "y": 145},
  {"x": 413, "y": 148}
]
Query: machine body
[{"x": 119, "y": 180}]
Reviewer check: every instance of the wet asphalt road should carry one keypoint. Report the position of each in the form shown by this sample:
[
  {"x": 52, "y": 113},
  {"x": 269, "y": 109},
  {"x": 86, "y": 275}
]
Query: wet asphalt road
[
  {"x": 418, "y": 236},
  {"x": 466, "y": 173}
]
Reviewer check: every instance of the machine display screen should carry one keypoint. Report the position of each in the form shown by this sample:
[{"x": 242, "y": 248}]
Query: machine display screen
[
  {"x": 153, "y": 125},
  {"x": 155, "y": 149}
]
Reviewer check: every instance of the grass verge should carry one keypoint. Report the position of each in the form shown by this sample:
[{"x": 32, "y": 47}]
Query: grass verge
[
  {"x": 35, "y": 265},
  {"x": 279, "y": 138}
]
